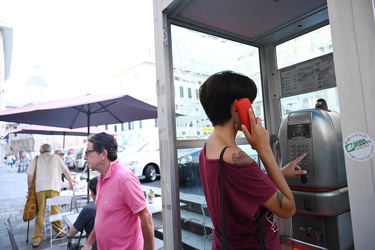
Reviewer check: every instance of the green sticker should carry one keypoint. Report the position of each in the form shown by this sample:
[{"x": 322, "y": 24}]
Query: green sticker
[{"x": 359, "y": 146}]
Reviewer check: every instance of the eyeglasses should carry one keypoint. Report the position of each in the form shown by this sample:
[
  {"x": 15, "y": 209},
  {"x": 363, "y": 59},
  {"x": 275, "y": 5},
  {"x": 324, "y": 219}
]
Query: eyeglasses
[{"x": 87, "y": 152}]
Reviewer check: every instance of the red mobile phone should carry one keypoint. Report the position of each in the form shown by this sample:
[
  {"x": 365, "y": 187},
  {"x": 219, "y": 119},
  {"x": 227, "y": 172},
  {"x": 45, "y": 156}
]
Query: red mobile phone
[{"x": 242, "y": 106}]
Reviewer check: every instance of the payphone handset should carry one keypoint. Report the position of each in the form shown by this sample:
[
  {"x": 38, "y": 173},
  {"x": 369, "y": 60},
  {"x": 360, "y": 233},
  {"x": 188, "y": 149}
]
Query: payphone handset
[
  {"x": 318, "y": 133},
  {"x": 242, "y": 107}
]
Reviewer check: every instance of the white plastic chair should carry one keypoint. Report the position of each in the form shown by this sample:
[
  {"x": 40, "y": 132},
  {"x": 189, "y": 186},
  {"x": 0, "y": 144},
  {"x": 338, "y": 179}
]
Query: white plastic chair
[
  {"x": 9, "y": 227},
  {"x": 13, "y": 242},
  {"x": 64, "y": 203}
]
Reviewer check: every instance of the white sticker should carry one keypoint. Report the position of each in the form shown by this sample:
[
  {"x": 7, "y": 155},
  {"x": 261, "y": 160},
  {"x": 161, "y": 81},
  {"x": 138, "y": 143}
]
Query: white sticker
[{"x": 359, "y": 146}]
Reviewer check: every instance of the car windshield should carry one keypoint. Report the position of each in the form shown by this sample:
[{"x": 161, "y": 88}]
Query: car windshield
[
  {"x": 136, "y": 147},
  {"x": 151, "y": 146}
]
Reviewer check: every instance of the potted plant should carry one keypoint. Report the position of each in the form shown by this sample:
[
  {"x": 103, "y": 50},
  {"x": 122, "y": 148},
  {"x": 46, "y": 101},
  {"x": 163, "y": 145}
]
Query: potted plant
[{"x": 150, "y": 196}]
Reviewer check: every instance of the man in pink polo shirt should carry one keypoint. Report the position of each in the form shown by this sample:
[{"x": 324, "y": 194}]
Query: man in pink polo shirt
[{"x": 122, "y": 220}]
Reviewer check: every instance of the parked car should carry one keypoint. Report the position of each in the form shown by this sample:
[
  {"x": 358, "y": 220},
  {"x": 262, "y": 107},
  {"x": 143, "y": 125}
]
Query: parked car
[
  {"x": 144, "y": 162},
  {"x": 70, "y": 155},
  {"x": 188, "y": 166},
  {"x": 134, "y": 148},
  {"x": 79, "y": 159},
  {"x": 120, "y": 154}
]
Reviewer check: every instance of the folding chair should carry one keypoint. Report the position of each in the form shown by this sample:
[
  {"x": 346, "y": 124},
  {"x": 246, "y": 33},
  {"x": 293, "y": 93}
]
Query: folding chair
[
  {"x": 9, "y": 227},
  {"x": 78, "y": 202},
  {"x": 13, "y": 242},
  {"x": 63, "y": 202}
]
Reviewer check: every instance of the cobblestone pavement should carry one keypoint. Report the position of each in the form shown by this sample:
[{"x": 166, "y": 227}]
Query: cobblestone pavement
[{"x": 12, "y": 200}]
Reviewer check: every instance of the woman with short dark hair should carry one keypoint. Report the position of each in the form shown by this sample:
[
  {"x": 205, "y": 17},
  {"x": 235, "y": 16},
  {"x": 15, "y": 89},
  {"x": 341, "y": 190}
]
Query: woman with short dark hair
[{"x": 249, "y": 193}]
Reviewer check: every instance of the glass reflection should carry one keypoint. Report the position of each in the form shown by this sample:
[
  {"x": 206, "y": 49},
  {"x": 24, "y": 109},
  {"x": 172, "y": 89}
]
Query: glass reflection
[{"x": 196, "y": 56}]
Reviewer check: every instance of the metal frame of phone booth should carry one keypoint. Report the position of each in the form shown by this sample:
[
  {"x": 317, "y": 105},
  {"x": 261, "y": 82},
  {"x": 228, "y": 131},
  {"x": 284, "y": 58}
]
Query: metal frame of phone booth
[{"x": 351, "y": 25}]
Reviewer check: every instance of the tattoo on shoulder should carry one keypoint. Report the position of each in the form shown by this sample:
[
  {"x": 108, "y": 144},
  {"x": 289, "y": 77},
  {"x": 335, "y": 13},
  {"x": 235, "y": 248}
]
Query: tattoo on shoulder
[
  {"x": 241, "y": 158},
  {"x": 279, "y": 197}
]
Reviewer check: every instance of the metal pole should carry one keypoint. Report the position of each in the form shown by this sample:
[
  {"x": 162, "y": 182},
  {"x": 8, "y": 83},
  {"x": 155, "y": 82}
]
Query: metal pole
[{"x": 88, "y": 168}]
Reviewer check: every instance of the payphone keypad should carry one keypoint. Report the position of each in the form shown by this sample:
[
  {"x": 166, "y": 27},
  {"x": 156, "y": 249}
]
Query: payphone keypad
[{"x": 297, "y": 149}]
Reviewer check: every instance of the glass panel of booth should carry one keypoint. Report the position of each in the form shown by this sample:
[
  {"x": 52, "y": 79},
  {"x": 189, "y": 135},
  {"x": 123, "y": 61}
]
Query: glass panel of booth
[
  {"x": 308, "y": 100},
  {"x": 305, "y": 47},
  {"x": 196, "y": 56}
]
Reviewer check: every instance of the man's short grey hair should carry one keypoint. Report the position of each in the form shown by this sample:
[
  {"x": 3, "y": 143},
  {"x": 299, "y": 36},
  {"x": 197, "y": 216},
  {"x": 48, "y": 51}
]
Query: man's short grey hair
[{"x": 45, "y": 148}]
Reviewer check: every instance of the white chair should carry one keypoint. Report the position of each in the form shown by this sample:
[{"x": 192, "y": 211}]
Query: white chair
[
  {"x": 63, "y": 202},
  {"x": 46, "y": 214},
  {"x": 9, "y": 227},
  {"x": 13, "y": 242}
]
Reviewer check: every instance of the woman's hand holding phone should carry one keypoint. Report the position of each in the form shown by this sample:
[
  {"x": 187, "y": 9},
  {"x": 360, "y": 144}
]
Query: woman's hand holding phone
[
  {"x": 242, "y": 107},
  {"x": 259, "y": 136}
]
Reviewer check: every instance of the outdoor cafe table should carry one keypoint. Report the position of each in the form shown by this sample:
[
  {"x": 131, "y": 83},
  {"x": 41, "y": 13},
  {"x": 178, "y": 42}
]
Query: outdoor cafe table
[{"x": 156, "y": 206}]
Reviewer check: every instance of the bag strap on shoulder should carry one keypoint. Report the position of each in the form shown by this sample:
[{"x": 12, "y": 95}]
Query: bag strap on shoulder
[{"x": 223, "y": 222}]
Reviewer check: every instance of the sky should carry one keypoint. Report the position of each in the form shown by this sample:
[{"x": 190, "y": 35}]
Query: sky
[{"x": 78, "y": 45}]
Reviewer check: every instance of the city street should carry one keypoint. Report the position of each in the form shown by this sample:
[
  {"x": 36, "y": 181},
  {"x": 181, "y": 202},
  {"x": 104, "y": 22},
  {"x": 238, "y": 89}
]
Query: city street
[{"x": 12, "y": 200}]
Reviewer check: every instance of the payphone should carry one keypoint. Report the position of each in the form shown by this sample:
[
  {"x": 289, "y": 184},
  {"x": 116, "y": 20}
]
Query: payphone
[
  {"x": 322, "y": 201},
  {"x": 318, "y": 133}
]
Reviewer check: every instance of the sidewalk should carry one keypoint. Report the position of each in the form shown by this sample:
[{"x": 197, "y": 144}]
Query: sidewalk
[{"x": 12, "y": 200}]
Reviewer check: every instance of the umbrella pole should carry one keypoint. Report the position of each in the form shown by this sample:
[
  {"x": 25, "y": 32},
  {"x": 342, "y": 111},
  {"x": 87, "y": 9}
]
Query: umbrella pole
[
  {"x": 88, "y": 168},
  {"x": 88, "y": 179}
]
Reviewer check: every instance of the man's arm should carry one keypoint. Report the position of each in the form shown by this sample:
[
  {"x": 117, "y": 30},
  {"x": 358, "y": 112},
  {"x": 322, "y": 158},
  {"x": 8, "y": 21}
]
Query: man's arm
[
  {"x": 69, "y": 177},
  {"x": 30, "y": 172},
  {"x": 82, "y": 222},
  {"x": 72, "y": 231},
  {"x": 29, "y": 180},
  {"x": 147, "y": 229},
  {"x": 90, "y": 240}
]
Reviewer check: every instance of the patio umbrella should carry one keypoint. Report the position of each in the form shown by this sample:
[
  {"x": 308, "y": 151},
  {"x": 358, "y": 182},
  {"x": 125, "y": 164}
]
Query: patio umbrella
[
  {"x": 82, "y": 111},
  {"x": 49, "y": 130}
]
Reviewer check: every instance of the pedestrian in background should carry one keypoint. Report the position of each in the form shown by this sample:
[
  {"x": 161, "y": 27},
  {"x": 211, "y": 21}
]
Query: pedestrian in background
[
  {"x": 122, "y": 220},
  {"x": 10, "y": 161},
  {"x": 47, "y": 185}
]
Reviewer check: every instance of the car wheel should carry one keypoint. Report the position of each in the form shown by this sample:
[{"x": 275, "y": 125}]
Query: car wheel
[{"x": 150, "y": 173}]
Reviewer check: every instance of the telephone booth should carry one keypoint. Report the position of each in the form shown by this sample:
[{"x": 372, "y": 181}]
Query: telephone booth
[{"x": 196, "y": 38}]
